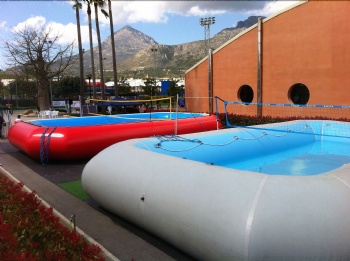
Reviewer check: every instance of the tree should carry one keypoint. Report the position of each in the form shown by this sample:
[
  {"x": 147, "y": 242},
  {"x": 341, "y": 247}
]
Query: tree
[
  {"x": 39, "y": 48},
  {"x": 4, "y": 90},
  {"x": 68, "y": 87},
  {"x": 25, "y": 84},
  {"x": 97, "y": 4},
  {"x": 93, "y": 75},
  {"x": 173, "y": 90},
  {"x": 124, "y": 86},
  {"x": 114, "y": 57},
  {"x": 149, "y": 88},
  {"x": 25, "y": 89},
  {"x": 100, "y": 4},
  {"x": 77, "y": 7}
]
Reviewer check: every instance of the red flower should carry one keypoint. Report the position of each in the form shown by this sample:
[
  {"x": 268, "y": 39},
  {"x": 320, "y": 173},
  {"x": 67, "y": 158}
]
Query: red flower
[{"x": 30, "y": 231}]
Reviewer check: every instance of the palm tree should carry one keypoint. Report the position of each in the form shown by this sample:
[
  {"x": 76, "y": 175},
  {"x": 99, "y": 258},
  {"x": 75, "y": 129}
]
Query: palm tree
[
  {"x": 114, "y": 58},
  {"x": 93, "y": 76},
  {"x": 100, "y": 4},
  {"x": 78, "y": 6}
]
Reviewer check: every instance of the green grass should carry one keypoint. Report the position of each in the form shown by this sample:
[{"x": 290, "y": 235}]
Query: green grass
[{"x": 75, "y": 188}]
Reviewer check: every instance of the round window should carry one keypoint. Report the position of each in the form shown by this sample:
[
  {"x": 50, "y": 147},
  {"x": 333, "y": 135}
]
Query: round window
[
  {"x": 246, "y": 93},
  {"x": 299, "y": 94}
]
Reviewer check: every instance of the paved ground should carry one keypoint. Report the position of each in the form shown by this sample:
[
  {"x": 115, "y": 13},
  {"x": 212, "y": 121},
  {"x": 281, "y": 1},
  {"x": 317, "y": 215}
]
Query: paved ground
[{"x": 122, "y": 239}]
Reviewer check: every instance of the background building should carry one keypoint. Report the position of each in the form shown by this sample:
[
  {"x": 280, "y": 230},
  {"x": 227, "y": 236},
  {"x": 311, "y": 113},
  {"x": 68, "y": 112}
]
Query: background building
[{"x": 298, "y": 56}]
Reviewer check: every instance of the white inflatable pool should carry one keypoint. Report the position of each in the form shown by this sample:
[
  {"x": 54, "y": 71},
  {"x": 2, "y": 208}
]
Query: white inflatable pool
[{"x": 175, "y": 188}]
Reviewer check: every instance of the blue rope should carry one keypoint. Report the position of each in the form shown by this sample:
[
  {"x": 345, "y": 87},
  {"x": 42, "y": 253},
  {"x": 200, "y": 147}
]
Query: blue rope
[
  {"x": 45, "y": 145},
  {"x": 42, "y": 142},
  {"x": 174, "y": 138},
  {"x": 198, "y": 142}
]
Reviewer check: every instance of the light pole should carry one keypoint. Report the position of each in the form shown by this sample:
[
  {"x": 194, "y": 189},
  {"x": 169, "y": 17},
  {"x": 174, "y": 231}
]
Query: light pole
[
  {"x": 206, "y": 22},
  {"x": 154, "y": 51},
  {"x": 48, "y": 54}
]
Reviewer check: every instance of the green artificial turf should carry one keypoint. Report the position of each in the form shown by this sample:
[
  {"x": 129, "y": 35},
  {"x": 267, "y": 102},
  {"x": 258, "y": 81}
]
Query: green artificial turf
[{"x": 75, "y": 188}]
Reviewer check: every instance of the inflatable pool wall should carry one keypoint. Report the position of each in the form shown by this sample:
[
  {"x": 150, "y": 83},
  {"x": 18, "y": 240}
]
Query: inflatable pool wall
[
  {"x": 69, "y": 139},
  {"x": 217, "y": 213}
]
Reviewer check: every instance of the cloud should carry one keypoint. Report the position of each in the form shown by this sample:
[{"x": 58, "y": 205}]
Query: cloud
[
  {"x": 35, "y": 22},
  {"x": 136, "y": 11},
  {"x": 276, "y": 6},
  {"x": 3, "y": 24},
  {"x": 130, "y": 12},
  {"x": 67, "y": 32},
  {"x": 159, "y": 11}
]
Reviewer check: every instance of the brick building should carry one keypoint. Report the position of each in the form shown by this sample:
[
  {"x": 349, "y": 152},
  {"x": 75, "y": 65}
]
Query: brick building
[{"x": 298, "y": 56}]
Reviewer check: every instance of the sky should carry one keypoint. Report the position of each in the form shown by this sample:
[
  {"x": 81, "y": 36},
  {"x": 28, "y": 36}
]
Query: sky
[{"x": 167, "y": 22}]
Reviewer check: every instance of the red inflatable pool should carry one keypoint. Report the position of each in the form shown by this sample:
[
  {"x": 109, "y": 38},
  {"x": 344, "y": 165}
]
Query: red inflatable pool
[{"x": 83, "y": 137}]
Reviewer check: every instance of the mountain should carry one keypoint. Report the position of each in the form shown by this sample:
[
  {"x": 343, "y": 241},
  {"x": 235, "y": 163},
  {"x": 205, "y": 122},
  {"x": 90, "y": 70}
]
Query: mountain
[
  {"x": 136, "y": 59},
  {"x": 129, "y": 41}
]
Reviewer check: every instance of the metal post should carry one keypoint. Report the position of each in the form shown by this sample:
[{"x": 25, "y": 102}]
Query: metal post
[
  {"x": 259, "y": 83},
  {"x": 16, "y": 80},
  {"x": 177, "y": 109},
  {"x": 51, "y": 94},
  {"x": 11, "y": 93},
  {"x": 48, "y": 54},
  {"x": 210, "y": 81},
  {"x": 72, "y": 219},
  {"x": 90, "y": 86},
  {"x": 102, "y": 78}
]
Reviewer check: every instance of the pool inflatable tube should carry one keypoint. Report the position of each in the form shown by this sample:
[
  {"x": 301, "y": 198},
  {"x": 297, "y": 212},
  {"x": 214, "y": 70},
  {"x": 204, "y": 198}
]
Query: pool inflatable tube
[
  {"x": 217, "y": 213},
  {"x": 82, "y": 138}
]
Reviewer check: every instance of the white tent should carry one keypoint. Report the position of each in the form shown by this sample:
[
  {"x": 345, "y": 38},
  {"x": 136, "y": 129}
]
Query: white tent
[
  {"x": 135, "y": 82},
  {"x": 109, "y": 84}
]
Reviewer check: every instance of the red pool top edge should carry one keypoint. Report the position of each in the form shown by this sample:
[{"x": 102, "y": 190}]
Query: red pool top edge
[{"x": 84, "y": 142}]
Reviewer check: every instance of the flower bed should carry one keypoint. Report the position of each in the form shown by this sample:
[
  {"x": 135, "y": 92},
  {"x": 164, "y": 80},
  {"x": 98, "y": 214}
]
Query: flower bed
[{"x": 30, "y": 231}]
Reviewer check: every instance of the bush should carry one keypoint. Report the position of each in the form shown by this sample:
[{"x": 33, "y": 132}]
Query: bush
[
  {"x": 244, "y": 120},
  {"x": 30, "y": 231}
]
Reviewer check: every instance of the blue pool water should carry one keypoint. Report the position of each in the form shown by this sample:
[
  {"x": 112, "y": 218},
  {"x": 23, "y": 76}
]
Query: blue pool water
[
  {"x": 114, "y": 119},
  {"x": 311, "y": 148},
  {"x": 311, "y": 159}
]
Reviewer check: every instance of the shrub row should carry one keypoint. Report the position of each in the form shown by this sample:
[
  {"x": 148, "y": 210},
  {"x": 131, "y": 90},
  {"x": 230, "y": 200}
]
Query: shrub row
[
  {"x": 30, "y": 231},
  {"x": 244, "y": 120}
]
